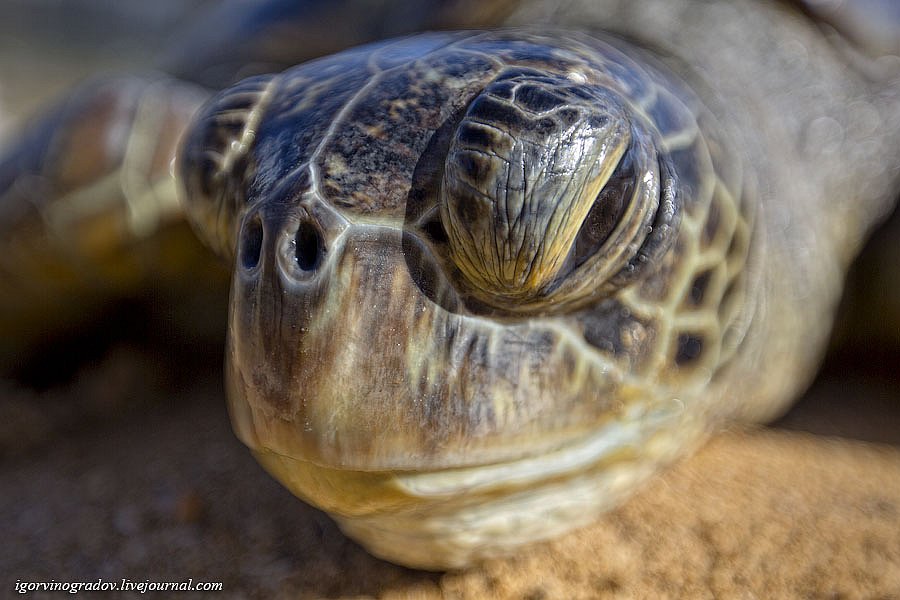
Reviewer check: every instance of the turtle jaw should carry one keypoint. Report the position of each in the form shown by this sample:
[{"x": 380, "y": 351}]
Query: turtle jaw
[{"x": 454, "y": 518}]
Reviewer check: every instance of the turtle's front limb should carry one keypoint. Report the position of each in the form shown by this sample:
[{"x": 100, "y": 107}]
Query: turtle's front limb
[{"x": 88, "y": 211}]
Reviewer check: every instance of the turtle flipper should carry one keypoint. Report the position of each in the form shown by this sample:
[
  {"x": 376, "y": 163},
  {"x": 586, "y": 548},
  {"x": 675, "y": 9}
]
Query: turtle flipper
[{"x": 88, "y": 210}]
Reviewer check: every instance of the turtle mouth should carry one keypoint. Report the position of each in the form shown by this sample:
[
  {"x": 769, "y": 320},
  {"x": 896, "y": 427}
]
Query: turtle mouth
[{"x": 625, "y": 451}]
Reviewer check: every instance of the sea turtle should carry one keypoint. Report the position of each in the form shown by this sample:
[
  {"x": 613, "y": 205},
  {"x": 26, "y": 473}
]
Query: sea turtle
[{"x": 485, "y": 282}]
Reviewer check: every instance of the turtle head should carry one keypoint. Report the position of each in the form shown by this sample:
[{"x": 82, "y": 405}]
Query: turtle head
[{"x": 472, "y": 273}]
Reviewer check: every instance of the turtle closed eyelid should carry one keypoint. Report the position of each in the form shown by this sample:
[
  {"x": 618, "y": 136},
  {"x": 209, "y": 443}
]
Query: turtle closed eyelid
[{"x": 540, "y": 218}]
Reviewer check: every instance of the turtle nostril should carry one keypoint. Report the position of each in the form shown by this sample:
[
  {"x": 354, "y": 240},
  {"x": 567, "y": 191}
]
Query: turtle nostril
[
  {"x": 251, "y": 243},
  {"x": 309, "y": 246}
]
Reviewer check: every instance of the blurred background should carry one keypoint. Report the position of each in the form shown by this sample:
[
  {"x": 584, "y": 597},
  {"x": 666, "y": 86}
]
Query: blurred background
[{"x": 48, "y": 45}]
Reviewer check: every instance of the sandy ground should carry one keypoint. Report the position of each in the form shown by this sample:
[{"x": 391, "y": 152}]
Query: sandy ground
[{"x": 159, "y": 489}]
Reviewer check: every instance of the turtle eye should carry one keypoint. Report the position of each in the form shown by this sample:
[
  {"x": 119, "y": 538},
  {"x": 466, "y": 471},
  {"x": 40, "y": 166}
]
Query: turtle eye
[
  {"x": 523, "y": 171},
  {"x": 550, "y": 191},
  {"x": 606, "y": 213},
  {"x": 215, "y": 163},
  {"x": 632, "y": 223}
]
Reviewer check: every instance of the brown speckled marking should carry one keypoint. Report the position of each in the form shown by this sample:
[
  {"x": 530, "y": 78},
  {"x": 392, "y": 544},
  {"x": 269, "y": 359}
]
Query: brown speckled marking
[{"x": 411, "y": 103}]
